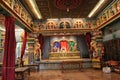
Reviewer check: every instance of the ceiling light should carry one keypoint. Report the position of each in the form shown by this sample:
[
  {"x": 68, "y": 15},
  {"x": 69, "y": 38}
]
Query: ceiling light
[
  {"x": 95, "y": 8},
  {"x": 35, "y": 8},
  {"x": 67, "y": 9}
]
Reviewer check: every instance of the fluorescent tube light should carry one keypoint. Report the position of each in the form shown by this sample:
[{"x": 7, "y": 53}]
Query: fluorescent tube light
[
  {"x": 35, "y": 8},
  {"x": 95, "y": 8}
]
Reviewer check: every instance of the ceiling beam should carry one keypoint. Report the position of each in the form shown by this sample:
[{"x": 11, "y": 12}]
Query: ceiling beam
[{"x": 50, "y": 11}]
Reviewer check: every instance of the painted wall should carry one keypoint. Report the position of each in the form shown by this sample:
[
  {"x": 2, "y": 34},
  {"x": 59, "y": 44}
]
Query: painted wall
[
  {"x": 82, "y": 46},
  {"x": 46, "y": 48},
  {"x": 112, "y": 31}
]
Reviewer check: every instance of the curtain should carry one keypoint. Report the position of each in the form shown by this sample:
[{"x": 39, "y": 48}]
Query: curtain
[
  {"x": 8, "y": 66},
  {"x": 41, "y": 42},
  {"x": 23, "y": 48},
  {"x": 88, "y": 39}
]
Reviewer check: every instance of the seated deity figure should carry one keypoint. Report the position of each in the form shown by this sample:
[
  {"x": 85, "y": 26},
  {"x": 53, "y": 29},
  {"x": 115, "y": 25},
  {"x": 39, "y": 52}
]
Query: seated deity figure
[
  {"x": 64, "y": 46},
  {"x": 63, "y": 49},
  {"x": 114, "y": 10},
  {"x": 71, "y": 45},
  {"x": 55, "y": 49}
]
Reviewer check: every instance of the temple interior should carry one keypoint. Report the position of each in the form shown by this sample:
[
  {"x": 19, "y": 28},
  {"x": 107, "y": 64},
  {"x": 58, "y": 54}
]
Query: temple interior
[{"x": 59, "y": 39}]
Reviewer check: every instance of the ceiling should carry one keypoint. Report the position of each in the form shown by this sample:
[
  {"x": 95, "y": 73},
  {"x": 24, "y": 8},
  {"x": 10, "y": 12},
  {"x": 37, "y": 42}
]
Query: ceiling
[{"x": 66, "y": 8}]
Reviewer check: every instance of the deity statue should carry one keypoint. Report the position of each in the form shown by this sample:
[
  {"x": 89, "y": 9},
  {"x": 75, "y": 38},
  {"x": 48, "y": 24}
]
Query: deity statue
[
  {"x": 16, "y": 7},
  {"x": 71, "y": 45},
  {"x": 37, "y": 51},
  {"x": 118, "y": 5},
  {"x": 63, "y": 49},
  {"x": 98, "y": 22},
  {"x": 104, "y": 18},
  {"x": 93, "y": 49},
  {"x": 22, "y": 13},
  {"x": 114, "y": 10},
  {"x": 107, "y": 14},
  {"x": 111, "y": 13}
]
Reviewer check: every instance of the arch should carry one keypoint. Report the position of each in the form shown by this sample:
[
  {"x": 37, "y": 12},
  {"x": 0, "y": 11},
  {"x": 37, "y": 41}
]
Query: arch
[
  {"x": 50, "y": 25},
  {"x": 63, "y": 24},
  {"x": 78, "y": 24}
]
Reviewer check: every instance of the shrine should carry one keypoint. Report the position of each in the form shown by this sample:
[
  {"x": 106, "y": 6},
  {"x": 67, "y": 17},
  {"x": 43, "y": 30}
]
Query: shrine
[{"x": 45, "y": 38}]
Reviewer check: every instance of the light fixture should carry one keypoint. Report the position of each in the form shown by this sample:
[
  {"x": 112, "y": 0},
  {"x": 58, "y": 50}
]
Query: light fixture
[
  {"x": 95, "y": 8},
  {"x": 35, "y": 8},
  {"x": 67, "y": 9}
]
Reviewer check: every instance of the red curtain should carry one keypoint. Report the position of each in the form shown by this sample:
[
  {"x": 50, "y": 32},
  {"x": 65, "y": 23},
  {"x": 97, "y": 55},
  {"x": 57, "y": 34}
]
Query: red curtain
[
  {"x": 88, "y": 39},
  {"x": 41, "y": 42},
  {"x": 8, "y": 67},
  {"x": 23, "y": 47}
]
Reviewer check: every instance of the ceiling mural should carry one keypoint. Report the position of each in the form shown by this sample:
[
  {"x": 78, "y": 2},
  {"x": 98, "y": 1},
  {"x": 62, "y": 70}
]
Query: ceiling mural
[{"x": 67, "y": 4}]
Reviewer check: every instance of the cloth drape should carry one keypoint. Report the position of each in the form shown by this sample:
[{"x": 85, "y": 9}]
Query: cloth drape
[
  {"x": 8, "y": 66},
  {"x": 23, "y": 48},
  {"x": 64, "y": 45},
  {"x": 88, "y": 39}
]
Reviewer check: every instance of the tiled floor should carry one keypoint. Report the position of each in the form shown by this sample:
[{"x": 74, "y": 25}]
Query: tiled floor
[{"x": 86, "y": 74}]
